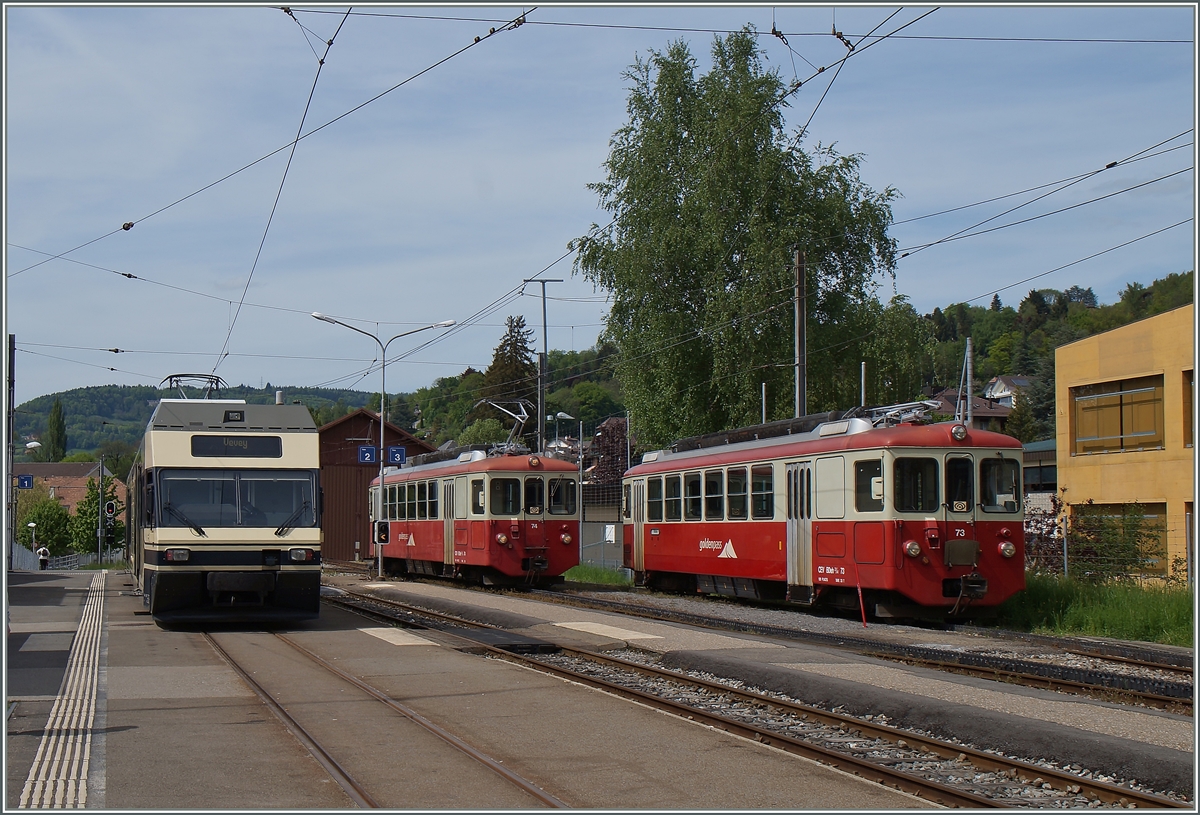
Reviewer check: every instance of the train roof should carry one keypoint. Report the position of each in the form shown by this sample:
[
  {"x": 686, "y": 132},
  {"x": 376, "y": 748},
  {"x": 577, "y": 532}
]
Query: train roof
[
  {"x": 229, "y": 416},
  {"x": 828, "y": 436},
  {"x": 475, "y": 461}
]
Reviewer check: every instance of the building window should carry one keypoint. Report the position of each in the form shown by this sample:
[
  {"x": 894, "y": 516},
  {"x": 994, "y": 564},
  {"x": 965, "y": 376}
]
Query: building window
[
  {"x": 1116, "y": 417},
  {"x": 1189, "y": 407}
]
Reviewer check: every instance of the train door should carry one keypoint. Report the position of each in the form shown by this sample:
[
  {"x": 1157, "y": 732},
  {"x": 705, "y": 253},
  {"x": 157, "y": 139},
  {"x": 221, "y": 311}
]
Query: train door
[
  {"x": 448, "y": 516},
  {"x": 636, "y": 504},
  {"x": 535, "y": 509},
  {"x": 799, "y": 531},
  {"x": 961, "y": 546}
]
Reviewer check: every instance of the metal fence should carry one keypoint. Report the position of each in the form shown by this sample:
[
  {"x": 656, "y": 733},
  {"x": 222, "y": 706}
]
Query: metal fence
[{"x": 25, "y": 560}]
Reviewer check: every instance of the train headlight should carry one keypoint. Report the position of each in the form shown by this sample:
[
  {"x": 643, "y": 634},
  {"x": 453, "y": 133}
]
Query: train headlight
[
  {"x": 565, "y": 537},
  {"x": 501, "y": 538},
  {"x": 959, "y": 432},
  {"x": 912, "y": 548},
  {"x": 534, "y": 461},
  {"x": 1007, "y": 549},
  {"x": 301, "y": 555},
  {"x": 178, "y": 555}
]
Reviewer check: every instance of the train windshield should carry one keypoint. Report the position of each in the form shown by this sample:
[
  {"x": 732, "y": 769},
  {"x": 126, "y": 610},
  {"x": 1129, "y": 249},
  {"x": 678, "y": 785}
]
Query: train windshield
[
  {"x": 562, "y": 496},
  {"x": 999, "y": 479},
  {"x": 237, "y": 498}
]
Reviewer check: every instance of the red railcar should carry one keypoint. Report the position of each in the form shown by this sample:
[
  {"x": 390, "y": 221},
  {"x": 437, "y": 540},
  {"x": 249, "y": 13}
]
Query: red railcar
[
  {"x": 916, "y": 517},
  {"x": 500, "y": 519}
]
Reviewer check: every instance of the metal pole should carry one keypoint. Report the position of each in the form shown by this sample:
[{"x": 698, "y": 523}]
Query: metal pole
[
  {"x": 100, "y": 514},
  {"x": 541, "y": 432},
  {"x": 864, "y": 385},
  {"x": 970, "y": 376},
  {"x": 382, "y": 425},
  {"x": 799, "y": 321},
  {"x": 764, "y": 403},
  {"x": 11, "y": 497}
]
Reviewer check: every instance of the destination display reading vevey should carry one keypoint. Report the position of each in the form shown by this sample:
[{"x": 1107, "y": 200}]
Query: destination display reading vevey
[{"x": 237, "y": 446}]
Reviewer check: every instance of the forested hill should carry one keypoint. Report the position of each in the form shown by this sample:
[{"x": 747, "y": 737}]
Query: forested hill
[
  {"x": 1014, "y": 340},
  {"x": 107, "y": 413}
]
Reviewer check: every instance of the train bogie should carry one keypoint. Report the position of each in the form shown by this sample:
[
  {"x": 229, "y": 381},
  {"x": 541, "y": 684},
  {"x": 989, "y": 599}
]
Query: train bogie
[
  {"x": 496, "y": 520},
  {"x": 897, "y": 518}
]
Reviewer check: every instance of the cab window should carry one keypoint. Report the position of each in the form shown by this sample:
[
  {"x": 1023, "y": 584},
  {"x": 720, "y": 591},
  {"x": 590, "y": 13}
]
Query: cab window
[
  {"x": 998, "y": 480},
  {"x": 477, "y": 496},
  {"x": 916, "y": 485},
  {"x": 868, "y": 486}
]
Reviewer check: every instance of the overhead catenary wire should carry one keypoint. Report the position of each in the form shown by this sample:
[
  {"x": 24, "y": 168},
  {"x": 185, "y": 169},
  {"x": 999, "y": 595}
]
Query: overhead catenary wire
[
  {"x": 128, "y": 225},
  {"x": 1071, "y": 183},
  {"x": 279, "y": 192}
]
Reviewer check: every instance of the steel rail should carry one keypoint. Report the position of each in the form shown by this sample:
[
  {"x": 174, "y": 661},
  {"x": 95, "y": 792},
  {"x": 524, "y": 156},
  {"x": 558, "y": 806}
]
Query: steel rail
[
  {"x": 1097, "y": 790},
  {"x": 1105, "y": 684},
  {"x": 915, "y": 785},
  {"x": 1109, "y": 793},
  {"x": 347, "y": 782},
  {"x": 1047, "y": 682},
  {"x": 484, "y": 759}
]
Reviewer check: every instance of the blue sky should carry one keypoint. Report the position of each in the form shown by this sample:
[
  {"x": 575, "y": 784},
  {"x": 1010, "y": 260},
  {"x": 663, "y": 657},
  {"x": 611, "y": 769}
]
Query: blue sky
[{"x": 435, "y": 200}]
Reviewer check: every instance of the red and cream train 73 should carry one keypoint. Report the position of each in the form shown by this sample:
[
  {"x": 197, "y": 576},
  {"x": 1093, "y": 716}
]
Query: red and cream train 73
[
  {"x": 863, "y": 507},
  {"x": 499, "y": 519}
]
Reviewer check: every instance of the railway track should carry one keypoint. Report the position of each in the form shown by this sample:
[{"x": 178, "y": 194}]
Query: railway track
[
  {"x": 935, "y": 770},
  {"x": 353, "y": 788},
  {"x": 1158, "y": 691}
]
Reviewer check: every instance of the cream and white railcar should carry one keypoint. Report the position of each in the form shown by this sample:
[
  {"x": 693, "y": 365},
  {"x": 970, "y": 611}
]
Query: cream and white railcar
[{"x": 225, "y": 511}]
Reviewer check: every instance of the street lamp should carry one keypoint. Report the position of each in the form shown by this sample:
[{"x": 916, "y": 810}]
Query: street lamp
[
  {"x": 383, "y": 346},
  {"x": 33, "y": 531}
]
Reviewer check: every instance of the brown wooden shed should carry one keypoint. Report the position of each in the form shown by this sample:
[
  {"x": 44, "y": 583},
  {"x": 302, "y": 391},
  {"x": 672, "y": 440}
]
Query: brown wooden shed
[{"x": 346, "y": 519}]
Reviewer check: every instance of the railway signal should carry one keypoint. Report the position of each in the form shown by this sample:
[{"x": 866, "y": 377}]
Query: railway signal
[{"x": 381, "y": 531}]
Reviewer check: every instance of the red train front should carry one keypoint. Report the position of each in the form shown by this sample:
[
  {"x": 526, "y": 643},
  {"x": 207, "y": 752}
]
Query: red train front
[
  {"x": 503, "y": 519},
  {"x": 919, "y": 517}
]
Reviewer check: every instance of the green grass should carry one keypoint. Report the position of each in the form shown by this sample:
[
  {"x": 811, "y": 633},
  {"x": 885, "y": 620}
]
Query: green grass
[
  {"x": 116, "y": 565},
  {"x": 591, "y": 573},
  {"x": 1127, "y": 611}
]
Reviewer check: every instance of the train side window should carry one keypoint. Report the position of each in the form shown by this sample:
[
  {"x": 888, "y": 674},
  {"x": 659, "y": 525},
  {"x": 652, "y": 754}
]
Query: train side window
[
  {"x": 627, "y": 501},
  {"x": 477, "y": 496},
  {"x": 960, "y": 489},
  {"x": 411, "y": 494},
  {"x": 762, "y": 490},
  {"x": 535, "y": 497},
  {"x": 149, "y": 510},
  {"x": 737, "y": 487},
  {"x": 868, "y": 486},
  {"x": 433, "y": 500},
  {"x": 674, "y": 500},
  {"x": 422, "y": 500},
  {"x": 998, "y": 482},
  {"x": 505, "y": 496},
  {"x": 654, "y": 500},
  {"x": 916, "y": 485},
  {"x": 562, "y": 496},
  {"x": 391, "y": 510},
  {"x": 691, "y": 496},
  {"x": 714, "y": 495}
]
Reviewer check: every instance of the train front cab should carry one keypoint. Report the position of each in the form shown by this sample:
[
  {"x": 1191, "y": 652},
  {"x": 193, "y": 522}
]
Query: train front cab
[
  {"x": 943, "y": 532},
  {"x": 223, "y": 544}
]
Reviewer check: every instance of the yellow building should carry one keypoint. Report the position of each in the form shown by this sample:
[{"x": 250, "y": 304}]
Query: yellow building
[{"x": 1125, "y": 423}]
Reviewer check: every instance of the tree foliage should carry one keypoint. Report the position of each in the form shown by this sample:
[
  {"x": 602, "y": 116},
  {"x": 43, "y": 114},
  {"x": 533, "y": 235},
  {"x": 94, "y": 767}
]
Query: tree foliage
[
  {"x": 708, "y": 202},
  {"x": 84, "y": 523},
  {"x": 52, "y": 519},
  {"x": 54, "y": 442}
]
